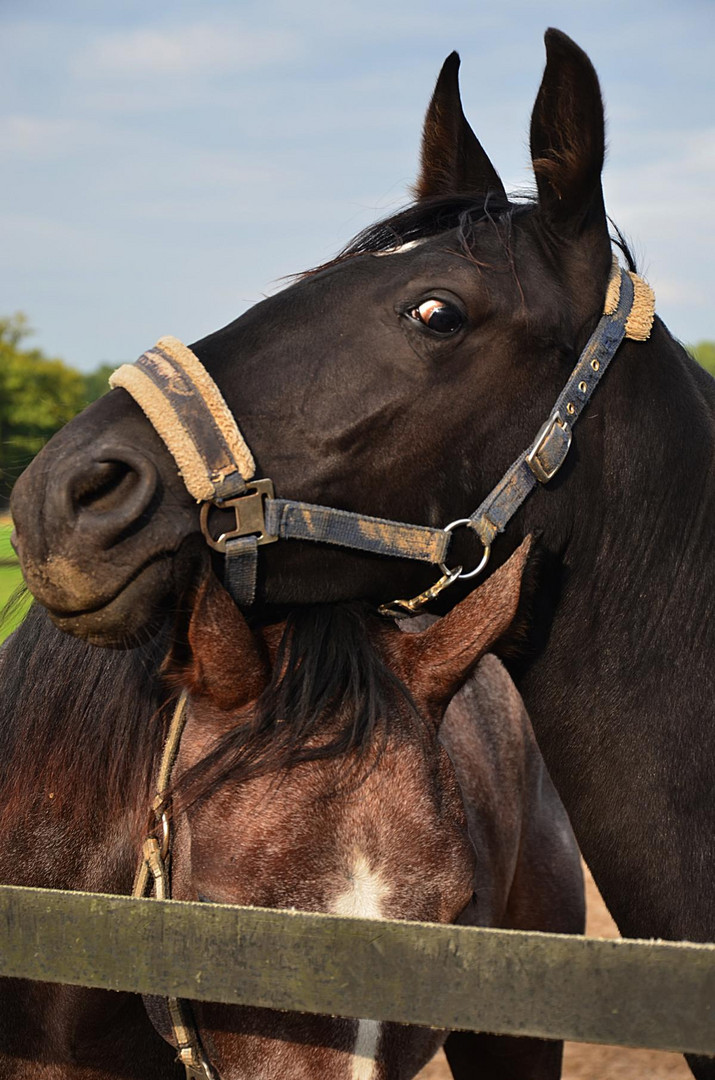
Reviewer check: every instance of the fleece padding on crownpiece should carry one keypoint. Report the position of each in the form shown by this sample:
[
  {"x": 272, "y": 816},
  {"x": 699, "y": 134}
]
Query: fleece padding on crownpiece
[{"x": 640, "y": 321}]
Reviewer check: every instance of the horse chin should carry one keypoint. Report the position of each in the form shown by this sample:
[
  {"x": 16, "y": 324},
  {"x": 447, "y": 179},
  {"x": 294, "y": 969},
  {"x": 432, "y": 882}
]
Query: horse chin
[
  {"x": 130, "y": 617},
  {"x": 138, "y": 607}
]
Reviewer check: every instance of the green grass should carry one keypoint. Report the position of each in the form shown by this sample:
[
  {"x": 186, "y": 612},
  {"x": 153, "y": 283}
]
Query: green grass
[
  {"x": 6, "y": 551},
  {"x": 10, "y": 580}
]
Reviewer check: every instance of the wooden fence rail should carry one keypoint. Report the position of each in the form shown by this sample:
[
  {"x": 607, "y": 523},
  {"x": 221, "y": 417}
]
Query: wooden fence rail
[{"x": 629, "y": 993}]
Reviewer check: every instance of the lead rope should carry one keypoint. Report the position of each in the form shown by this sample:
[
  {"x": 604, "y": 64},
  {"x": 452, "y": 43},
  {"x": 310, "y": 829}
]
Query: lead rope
[{"x": 154, "y": 869}]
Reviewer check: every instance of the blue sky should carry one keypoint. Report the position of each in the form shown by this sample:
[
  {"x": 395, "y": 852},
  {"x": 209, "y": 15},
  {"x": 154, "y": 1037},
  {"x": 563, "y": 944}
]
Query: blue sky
[{"x": 164, "y": 165}]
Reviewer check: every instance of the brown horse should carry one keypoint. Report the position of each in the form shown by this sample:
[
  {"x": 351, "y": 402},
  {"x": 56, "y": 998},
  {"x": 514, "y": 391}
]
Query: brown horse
[{"x": 317, "y": 813}]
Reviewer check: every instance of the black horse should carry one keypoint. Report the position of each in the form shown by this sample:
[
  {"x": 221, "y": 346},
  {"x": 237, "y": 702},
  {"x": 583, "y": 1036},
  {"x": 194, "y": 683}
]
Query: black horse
[{"x": 404, "y": 386}]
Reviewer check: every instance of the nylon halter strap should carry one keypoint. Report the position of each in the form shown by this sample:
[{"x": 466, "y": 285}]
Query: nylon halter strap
[
  {"x": 154, "y": 867},
  {"x": 187, "y": 410}
]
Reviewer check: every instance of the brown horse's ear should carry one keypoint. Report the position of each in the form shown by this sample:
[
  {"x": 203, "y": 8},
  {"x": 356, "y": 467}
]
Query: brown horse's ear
[
  {"x": 226, "y": 661},
  {"x": 567, "y": 138},
  {"x": 435, "y": 663},
  {"x": 453, "y": 161}
]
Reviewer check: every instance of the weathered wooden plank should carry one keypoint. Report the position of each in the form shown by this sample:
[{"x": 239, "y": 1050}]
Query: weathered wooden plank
[{"x": 659, "y": 995}]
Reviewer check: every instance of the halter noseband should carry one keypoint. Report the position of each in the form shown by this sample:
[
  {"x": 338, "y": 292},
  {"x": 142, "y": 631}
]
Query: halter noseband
[{"x": 187, "y": 410}]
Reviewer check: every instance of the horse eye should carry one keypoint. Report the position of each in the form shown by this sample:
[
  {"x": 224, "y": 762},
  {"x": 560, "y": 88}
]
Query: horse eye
[{"x": 438, "y": 315}]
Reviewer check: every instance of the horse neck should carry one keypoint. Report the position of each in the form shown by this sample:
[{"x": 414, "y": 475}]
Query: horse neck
[
  {"x": 632, "y": 520},
  {"x": 621, "y": 694},
  {"x": 639, "y": 552},
  {"x": 632, "y": 513}
]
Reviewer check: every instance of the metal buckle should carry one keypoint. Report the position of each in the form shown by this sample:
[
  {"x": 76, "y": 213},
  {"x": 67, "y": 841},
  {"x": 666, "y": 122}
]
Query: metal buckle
[
  {"x": 250, "y": 515},
  {"x": 532, "y": 458}
]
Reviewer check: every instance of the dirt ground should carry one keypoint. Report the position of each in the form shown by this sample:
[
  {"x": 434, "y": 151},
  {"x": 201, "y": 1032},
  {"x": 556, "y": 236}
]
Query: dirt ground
[{"x": 585, "y": 1061}]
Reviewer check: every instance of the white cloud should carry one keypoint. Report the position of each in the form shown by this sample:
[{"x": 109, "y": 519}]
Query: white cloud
[
  {"x": 683, "y": 293},
  {"x": 663, "y": 192},
  {"x": 189, "y": 49},
  {"x": 35, "y": 136},
  {"x": 660, "y": 192},
  {"x": 45, "y": 251}
]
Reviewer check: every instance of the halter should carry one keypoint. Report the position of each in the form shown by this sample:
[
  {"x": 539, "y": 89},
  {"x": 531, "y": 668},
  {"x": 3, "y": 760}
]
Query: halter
[{"x": 187, "y": 410}]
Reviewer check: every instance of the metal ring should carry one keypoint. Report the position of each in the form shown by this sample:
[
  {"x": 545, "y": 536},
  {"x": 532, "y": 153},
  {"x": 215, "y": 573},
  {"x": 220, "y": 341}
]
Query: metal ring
[{"x": 485, "y": 557}]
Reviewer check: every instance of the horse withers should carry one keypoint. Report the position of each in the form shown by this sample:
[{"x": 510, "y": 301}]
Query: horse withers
[{"x": 399, "y": 823}]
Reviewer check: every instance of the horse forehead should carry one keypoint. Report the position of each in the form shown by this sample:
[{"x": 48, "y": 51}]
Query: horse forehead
[
  {"x": 371, "y": 271},
  {"x": 303, "y": 320},
  {"x": 408, "y": 805},
  {"x": 388, "y": 802},
  {"x": 376, "y": 271}
]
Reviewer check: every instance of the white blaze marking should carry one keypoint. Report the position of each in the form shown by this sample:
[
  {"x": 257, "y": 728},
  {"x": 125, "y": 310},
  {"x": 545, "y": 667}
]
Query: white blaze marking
[
  {"x": 400, "y": 248},
  {"x": 363, "y": 898},
  {"x": 365, "y": 1051},
  {"x": 365, "y": 892}
]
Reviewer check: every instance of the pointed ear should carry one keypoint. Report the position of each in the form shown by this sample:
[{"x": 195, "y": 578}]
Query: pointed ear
[
  {"x": 567, "y": 139},
  {"x": 226, "y": 662},
  {"x": 435, "y": 663},
  {"x": 453, "y": 161}
]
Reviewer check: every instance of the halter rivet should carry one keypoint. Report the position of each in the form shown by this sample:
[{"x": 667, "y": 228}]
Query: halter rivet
[
  {"x": 571, "y": 408},
  {"x": 582, "y": 387},
  {"x": 595, "y": 365}
]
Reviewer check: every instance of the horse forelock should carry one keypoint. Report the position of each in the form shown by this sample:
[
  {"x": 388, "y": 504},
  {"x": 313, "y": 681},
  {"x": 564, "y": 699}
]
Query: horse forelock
[
  {"x": 425, "y": 219},
  {"x": 331, "y": 694}
]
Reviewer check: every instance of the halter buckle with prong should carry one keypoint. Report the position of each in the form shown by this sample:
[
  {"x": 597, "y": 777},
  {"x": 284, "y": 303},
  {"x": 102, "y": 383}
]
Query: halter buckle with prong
[
  {"x": 249, "y": 510},
  {"x": 555, "y": 438}
]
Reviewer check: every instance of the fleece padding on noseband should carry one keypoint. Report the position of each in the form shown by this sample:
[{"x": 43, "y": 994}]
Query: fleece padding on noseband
[{"x": 187, "y": 410}]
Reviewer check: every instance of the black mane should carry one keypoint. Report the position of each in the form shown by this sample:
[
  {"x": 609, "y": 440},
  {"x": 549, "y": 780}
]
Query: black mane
[
  {"x": 330, "y": 694},
  {"x": 426, "y": 218},
  {"x": 89, "y": 726},
  {"x": 82, "y": 722},
  {"x": 430, "y": 217}
]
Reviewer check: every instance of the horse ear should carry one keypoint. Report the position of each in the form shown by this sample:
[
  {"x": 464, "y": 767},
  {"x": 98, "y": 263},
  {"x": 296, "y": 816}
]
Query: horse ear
[
  {"x": 567, "y": 138},
  {"x": 435, "y": 663},
  {"x": 226, "y": 662},
  {"x": 453, "y": 161}
]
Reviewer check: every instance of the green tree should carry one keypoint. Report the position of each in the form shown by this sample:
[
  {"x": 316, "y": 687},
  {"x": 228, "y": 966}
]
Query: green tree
[
  {"x": 704, "y": 353},
  {"x": 96, "y": 383},
  {"x": 37, "y": 396}
]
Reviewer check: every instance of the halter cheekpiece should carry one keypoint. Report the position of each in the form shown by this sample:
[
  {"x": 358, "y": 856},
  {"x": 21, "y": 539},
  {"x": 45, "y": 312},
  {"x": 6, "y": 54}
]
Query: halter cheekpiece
[{"x": 188, "y": 411}]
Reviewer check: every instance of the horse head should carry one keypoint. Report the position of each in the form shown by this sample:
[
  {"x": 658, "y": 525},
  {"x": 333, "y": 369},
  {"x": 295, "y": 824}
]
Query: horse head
[
  {"x": 377, "y": 831},
  {"x": 398, "y": 381}
]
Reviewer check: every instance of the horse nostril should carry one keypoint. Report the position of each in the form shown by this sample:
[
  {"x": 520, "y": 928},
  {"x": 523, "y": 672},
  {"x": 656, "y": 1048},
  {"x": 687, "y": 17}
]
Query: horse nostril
[
  {"x": 105, "y": 484},
  {"x": 112, "y": 491}
]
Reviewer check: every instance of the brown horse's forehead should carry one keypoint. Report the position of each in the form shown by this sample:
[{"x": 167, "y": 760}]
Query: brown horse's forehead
[{"x": 392, "y": 838}]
